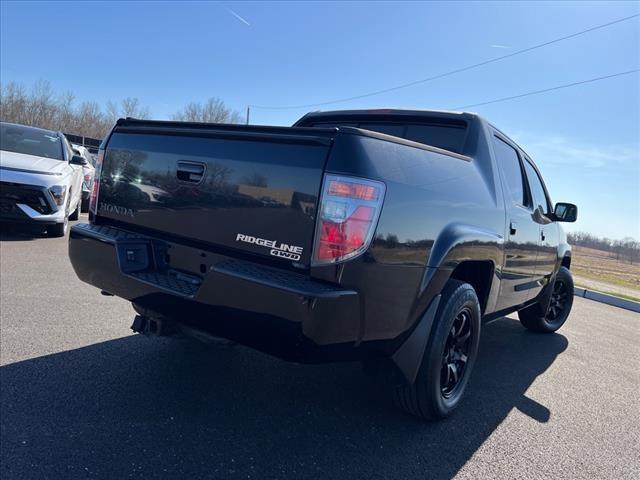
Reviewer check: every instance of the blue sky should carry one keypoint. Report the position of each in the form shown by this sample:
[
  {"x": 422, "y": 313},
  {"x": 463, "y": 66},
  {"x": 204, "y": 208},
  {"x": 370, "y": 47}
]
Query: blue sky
[{"x": 585, "y": 139}]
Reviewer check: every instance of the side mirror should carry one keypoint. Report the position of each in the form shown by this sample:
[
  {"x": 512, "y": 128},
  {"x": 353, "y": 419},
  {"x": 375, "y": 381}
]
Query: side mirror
[
  {"x": 565, "y": 212},
  {"x": 78, "y": 160}
]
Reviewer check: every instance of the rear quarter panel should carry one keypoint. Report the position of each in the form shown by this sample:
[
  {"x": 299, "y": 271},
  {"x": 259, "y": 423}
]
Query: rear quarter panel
[{"x": 439, "y": 210}]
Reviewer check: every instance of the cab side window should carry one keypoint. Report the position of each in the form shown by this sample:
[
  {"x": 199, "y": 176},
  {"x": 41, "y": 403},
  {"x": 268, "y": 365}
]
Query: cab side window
[
  {"x": 537, "y": 190},
  {"x": 509, "y": 163}
]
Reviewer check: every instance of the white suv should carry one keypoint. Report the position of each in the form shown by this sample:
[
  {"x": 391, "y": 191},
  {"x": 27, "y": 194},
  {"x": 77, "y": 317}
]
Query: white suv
[{"x": 40, "y": 178}]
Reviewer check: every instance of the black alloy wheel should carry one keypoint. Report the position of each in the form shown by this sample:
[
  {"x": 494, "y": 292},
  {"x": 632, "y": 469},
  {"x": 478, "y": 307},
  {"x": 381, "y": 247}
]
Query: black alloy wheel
[
  {"x": 558, "y": 303},
  {"x": 449, "y": 356},
  {"x": 548, "y": 317},
  {"x": 456, "y": 353}
]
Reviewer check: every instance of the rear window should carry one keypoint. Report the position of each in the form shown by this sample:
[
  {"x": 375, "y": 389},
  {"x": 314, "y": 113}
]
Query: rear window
[
  {"x": 30, "y": 141},
  {"x": 449, "y": 138},
  {"x": 388, "y": 129},
  {"x": 446, "y": 137}
]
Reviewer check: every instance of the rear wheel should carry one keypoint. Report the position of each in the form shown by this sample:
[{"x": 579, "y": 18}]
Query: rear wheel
[
  {"x": 559, "y": 306},
  {"x": 448, "y": 358}
]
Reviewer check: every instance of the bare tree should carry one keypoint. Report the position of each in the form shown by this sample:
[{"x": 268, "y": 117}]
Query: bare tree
[
  {"x": 627, "y": 249},
  {"x": 631, "y": 250},
  {"x": 255, "y": 180},
  {"x": 91, "y": 121},
  {"x": 13, "y": 103},
  {"x": 128, "y": 107},
  {"x": 65, "y": 113},
  {"x": 41, "y": 107},
  {"x": 212, "y": 111}
]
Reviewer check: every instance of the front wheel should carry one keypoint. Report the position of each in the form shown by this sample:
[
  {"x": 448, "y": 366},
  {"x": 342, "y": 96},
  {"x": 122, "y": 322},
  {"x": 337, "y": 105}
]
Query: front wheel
[
  {"x": 75, "y": 215},
  {"x": 559, "y": 306},
  {"x": 449, "y": 356}
]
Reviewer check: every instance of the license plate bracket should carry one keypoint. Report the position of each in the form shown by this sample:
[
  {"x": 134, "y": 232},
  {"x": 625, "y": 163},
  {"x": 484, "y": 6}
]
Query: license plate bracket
[{"x": 134, "y": 255}]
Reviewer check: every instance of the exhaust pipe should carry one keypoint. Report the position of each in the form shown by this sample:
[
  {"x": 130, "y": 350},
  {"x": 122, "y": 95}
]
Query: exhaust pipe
[
  {"x": 156, "y": 327},
  {"x": 153, "y": 327}
]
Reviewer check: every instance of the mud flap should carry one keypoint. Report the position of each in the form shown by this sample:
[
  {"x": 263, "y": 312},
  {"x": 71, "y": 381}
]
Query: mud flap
[{"x": 408, "y": 357}]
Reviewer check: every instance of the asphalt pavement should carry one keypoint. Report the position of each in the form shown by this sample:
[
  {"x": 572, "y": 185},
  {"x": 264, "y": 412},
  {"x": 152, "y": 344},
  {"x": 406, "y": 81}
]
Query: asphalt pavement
[{"x": 83, "y": 397}]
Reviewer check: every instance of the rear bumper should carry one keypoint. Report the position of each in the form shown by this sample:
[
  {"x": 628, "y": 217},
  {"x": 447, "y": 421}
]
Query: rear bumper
[{"x": 282, "y": 313}]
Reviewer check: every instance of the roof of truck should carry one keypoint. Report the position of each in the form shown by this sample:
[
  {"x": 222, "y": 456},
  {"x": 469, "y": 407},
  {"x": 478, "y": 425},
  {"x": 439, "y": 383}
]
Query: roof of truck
[{"x": 392, "y": 112}]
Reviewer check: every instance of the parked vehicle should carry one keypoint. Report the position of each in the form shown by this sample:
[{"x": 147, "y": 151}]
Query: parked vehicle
[
  {"x": 88, "y": 171},
  {"x": 40, "y": 178},
  {"x": 380, "y": 236}
]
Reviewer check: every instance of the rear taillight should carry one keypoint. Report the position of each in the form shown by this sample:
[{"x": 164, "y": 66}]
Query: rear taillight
[
  {"x": 95, "y": 190},
  {"x": 347, "y": 218}
]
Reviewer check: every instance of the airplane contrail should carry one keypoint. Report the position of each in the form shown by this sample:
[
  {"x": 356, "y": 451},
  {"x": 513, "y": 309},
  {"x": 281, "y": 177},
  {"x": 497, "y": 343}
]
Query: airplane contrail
[{"x": 237, "y": 16}]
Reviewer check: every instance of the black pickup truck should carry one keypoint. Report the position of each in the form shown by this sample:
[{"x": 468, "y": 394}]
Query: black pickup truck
[{"x": 384, "y": 236}]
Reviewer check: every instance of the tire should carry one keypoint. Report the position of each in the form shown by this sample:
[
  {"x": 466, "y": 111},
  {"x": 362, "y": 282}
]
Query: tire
[
  {"x": 559, "y": 307},
  {"x": 75, "y": 215},
  {"x": 433, "y": 395}
]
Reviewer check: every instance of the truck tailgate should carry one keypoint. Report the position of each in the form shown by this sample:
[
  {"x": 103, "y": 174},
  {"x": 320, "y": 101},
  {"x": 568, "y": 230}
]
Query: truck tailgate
[{"x": 250, "y": 189}]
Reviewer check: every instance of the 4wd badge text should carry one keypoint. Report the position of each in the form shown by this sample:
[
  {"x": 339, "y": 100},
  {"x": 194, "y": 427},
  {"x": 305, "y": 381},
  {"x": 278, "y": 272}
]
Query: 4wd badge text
[{"x": 282, "y": 250}]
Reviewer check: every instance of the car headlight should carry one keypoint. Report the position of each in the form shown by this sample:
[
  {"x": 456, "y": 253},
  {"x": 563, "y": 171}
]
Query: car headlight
[{"x": 58, "y": 192}]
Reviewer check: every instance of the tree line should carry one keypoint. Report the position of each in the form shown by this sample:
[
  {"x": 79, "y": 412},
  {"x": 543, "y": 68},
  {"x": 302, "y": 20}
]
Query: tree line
[
  {"x": 40, "y": 106},
  {"x": 626, "y": 249}
]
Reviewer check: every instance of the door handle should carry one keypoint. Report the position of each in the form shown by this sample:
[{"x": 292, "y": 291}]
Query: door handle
[
  {"x": 191, "y": 172},
  {"x": 542, "y": 237},
  {"x": 513, "y": 228}
]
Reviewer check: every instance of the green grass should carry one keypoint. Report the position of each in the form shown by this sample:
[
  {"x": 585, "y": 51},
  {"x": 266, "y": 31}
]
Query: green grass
[{"x": 604, "y": 277}]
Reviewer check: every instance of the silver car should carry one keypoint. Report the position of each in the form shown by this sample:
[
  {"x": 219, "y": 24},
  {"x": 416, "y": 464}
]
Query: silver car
[
  {"x": 40, "y": 178},
  {"x": 87, "y": 173}
]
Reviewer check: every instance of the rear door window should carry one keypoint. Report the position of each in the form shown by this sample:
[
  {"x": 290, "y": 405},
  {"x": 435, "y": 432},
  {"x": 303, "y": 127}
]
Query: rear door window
[
  {"x": 509, "y": 163},
  {"x": 537, "y": 190}
]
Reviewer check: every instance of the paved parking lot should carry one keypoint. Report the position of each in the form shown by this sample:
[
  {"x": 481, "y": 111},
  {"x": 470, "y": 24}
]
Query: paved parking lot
[{"x": 82, "y": 397}]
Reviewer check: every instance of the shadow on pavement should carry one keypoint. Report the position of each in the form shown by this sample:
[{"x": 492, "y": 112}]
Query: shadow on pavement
[
  {"x": 19, "y": 233},
  {"x": 141, "y": 408}
]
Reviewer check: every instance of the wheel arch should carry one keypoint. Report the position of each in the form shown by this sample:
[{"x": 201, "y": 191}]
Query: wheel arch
[
  {"x": 479, "y": 274},
  {"x": 460, "y": 242},
  {"x": 564, "y": 255},
  {"x": 465, "y": 252},
  {"x": 461, "y": 252}
]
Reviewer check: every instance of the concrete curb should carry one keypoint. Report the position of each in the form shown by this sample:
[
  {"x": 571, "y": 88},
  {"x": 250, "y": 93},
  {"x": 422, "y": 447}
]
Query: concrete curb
[{"x": 608, "y": 299}]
